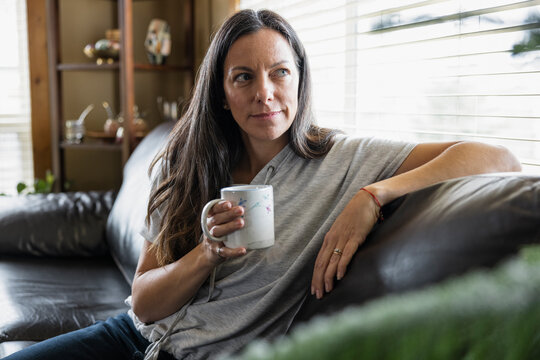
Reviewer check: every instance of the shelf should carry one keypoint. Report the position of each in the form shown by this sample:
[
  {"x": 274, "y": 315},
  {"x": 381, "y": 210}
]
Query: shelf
[
  {"x": 87, "y": 66},
  {"x": 116, "y": 66},
  {"x": 150, "y": 67},
  {"x": 92, "y": 145}
]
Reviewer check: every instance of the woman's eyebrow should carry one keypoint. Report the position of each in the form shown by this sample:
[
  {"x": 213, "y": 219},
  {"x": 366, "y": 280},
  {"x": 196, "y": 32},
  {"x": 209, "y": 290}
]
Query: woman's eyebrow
[
  {"x": 247, "y": 68},
  {"x": 279, "y": 63},
  {"x": 240, "y": 68}
]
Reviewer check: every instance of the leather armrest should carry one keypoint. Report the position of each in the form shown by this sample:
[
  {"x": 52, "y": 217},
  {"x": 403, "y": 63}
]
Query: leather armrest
[
  {"x": 436, "y": 233},
  {"x": 62, "y": 224}
]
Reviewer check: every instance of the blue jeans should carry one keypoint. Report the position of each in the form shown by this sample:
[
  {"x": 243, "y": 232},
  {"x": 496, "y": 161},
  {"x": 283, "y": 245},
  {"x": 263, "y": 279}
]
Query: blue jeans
[{"x": 114, "y": 339}]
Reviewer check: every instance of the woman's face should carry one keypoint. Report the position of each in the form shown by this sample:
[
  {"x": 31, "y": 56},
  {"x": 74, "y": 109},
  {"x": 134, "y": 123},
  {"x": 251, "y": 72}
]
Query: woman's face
[{"x": 261, "y": 86}]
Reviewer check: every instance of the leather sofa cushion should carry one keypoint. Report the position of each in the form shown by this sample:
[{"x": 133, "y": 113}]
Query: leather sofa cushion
[
  {"x": 63, "y": 224},
  {"x": 45, "y": 297},
  {"x": 128, "y": 214},
  {"x": 436, "y": 233}
]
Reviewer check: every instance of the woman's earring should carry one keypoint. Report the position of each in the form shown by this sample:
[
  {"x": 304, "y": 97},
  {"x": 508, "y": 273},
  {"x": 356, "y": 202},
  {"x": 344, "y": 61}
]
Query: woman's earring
[{"x": 226, "y": 106}]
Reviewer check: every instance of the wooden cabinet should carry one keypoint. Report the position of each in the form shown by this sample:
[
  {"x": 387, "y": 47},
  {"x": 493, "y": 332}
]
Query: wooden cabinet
[{"x": 77, "y": 81}]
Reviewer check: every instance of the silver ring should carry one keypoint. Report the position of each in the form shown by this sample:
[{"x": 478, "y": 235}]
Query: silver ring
[
  {"x": 218, "y": 252},
  {"x": 338, "y": 252}
]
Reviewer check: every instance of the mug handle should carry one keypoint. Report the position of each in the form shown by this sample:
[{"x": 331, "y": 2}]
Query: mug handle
[{"x": 204, "y": 216}]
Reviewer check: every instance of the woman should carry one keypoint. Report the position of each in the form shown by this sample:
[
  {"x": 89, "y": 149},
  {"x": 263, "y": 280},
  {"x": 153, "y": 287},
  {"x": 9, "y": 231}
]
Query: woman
[{"x": 250, "y": 121}]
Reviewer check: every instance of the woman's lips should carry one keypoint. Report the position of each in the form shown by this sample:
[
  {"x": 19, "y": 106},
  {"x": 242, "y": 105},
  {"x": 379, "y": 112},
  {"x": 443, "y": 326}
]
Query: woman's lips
[{"x": 266, "y": 115}]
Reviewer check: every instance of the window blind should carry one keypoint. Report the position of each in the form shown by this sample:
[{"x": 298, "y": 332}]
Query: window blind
[
  {"x": 438, "y": 70},
  {"x": 15, "y": 135}
]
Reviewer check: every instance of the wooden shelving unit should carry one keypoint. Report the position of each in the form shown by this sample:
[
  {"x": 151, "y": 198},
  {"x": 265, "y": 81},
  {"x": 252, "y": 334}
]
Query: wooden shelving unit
[{"x": 120, "y": 78}]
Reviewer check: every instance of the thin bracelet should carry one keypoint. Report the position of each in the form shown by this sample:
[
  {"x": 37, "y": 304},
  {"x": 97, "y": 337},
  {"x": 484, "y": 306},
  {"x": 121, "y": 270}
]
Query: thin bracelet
[{"x": 381, "y": 217}]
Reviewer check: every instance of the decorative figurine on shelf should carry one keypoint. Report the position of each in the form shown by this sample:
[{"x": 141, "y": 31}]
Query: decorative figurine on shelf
[
  {"x": 139, "y": 125},
  {"x": 105, "y": 50},
  {"x": 111, "y": 124},
  {"x": 158, "y": 42},
  {"x": 168, "y": 110},
  {"x": 119, "y": 136}
]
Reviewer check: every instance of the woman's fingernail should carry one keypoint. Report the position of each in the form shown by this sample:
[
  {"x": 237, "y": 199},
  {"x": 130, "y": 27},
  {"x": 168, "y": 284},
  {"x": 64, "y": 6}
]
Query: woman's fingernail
[
  {"x": 319, "y": 296},
  {"x": 339, "y": 276},
  {"x": 312, "y": 290}
]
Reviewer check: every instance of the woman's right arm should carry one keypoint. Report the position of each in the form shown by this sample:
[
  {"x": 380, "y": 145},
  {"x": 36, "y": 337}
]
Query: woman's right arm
[{"x": 159, "y": 291}]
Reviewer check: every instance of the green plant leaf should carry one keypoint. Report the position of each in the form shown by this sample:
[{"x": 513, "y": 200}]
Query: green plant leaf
[
  {"x": 49, "y": 178},
  {"x": 40, "y": 186},
  {"x": 21, "y": 187}
]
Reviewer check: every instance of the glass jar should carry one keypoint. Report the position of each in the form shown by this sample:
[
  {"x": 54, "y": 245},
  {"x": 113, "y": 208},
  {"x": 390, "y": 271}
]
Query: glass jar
[{"x": 74, "y": 132}]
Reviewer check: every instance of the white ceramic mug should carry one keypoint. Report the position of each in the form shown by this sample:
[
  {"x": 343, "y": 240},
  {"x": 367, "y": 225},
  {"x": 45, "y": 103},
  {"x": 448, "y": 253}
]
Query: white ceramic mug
[{"x": 258, "y": 204}]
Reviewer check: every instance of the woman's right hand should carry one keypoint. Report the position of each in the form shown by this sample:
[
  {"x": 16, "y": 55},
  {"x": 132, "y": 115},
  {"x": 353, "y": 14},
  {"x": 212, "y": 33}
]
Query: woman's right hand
[
  {"x": 159, "y": 291},
  {"x": 223, "y": 219}
]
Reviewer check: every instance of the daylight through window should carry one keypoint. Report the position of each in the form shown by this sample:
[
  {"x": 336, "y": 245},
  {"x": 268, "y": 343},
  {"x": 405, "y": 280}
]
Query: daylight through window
[{"x": 437, "y": 70}]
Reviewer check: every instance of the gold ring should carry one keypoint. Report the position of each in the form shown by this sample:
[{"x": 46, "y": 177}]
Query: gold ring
[{"x": 338, "y": 252}]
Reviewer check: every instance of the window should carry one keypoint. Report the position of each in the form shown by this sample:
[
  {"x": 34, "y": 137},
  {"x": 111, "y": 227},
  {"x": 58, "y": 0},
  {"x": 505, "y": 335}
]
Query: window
[
  {"x": 437, "y": 70},
  {"x": 15, "y": 135}
]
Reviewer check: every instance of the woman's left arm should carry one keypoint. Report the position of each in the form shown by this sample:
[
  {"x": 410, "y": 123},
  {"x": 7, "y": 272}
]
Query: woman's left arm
[{"x": 427, "y": 164}]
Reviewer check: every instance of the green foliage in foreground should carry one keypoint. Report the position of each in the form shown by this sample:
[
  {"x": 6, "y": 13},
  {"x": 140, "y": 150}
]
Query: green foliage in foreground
[
  {"x": 41, "y": 186},
  {"x": 482, "y": 315}
]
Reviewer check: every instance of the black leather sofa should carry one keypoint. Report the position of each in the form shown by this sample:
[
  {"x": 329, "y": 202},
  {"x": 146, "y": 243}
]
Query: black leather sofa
[{"x": 67, "y": 260}]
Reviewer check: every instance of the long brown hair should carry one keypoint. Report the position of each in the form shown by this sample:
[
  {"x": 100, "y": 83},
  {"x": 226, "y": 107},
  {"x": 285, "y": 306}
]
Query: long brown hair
[{"x": 205, "y": 144}]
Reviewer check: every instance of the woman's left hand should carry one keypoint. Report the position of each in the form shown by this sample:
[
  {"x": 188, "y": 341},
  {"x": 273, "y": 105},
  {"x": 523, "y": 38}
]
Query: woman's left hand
[{"x": 341, "y": 242}]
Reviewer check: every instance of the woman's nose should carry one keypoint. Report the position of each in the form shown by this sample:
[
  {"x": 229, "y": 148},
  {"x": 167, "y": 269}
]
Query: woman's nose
[{"x": 265, "y": 91}]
